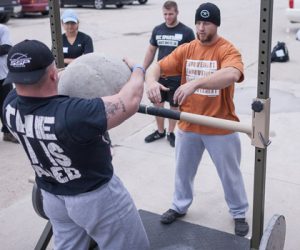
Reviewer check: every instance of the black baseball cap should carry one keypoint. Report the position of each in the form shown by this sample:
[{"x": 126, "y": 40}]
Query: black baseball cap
[
  {"x": 208, "y": 12},
  {"x": 27, "y": 62}
]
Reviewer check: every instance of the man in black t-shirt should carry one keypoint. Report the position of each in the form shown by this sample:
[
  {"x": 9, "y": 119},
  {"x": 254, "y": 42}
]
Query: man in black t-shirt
[
  {"x": 166, "y": 37},
  {"x": 63, "y": 138}
]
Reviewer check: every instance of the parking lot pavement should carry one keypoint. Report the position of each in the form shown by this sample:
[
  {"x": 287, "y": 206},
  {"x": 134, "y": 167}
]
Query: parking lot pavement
[{"x": 147, "y": 169}]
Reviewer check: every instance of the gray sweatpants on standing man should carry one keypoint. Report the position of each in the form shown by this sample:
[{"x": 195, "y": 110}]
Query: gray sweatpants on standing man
[{"x": 225, "y": 152}]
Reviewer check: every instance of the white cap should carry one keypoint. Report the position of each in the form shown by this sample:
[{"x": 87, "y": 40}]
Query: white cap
[{"x": 69, "y": 15}]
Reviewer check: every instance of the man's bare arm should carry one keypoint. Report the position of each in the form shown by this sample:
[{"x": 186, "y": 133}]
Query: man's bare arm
[
  {"x": 219, "y": 80},
  {"x": 124, "y": 104},
  {"x": 149, "y": 56},
  {"x": 153, "y": 86}
]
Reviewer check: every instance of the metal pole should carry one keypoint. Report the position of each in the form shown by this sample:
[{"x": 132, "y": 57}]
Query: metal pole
[
  {"x": 56, "y": 34},
  {"x": 263, "y": 87},
  {"x": 58, "y": 55},
  {"x": 45, "y": 237}
]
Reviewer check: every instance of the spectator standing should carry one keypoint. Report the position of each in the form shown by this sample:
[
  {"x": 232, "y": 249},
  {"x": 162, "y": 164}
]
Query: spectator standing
[
  {"x": 165, "y": 38},
  {"x": 5, "y": 46},
  {"x": 75, "y": 42}
]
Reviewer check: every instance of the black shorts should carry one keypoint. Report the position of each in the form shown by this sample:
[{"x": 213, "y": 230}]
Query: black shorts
[{"x": 167, "y": 96}]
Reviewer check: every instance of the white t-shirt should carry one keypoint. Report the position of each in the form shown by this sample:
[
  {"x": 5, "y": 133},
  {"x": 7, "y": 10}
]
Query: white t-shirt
[
  {"x": 4, "y": 39},
  {"x": 298, "y": 35}
]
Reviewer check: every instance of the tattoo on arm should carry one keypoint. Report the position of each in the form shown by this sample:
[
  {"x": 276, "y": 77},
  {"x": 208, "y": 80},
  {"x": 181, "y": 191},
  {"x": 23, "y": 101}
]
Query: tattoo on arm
[{"x": 112, "y": 107}]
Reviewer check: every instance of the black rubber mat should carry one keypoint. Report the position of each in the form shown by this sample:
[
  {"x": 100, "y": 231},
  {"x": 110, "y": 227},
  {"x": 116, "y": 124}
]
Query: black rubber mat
[{"x": 182, "y": 235}]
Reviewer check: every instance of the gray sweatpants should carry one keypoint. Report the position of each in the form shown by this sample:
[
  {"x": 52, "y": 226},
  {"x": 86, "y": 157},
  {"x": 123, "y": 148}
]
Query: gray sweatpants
[
  {"x": 225, "y": 152},
  {"x": 107, "y": 214}
]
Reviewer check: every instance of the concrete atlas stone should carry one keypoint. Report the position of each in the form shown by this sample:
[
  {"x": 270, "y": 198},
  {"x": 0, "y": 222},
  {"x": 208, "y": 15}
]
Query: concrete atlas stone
[{"x": 93, "y": 75}]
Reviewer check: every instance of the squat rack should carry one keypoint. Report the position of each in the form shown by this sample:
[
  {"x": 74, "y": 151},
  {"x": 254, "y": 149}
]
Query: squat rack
[{"x": 258, "y": 131}]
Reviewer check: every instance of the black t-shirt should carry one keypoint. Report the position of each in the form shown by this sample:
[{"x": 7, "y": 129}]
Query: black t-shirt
[
  {"x": 63, "y": 139},
  {"x": 82, "y": 45},
  {"x": 167, "y": 39}
]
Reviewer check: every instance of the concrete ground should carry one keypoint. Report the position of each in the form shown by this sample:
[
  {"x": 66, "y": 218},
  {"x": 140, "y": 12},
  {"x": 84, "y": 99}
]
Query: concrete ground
[{"x": 148, "y": 169}]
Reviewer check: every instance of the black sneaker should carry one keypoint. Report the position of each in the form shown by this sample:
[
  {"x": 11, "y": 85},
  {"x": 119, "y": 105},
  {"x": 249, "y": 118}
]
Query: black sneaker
[
  {"x": 171, "y": 139},
  {"x": 241, "y": 227},
  {"x": 155, "y": 136},
  {"x": 170, "y": 216},
  {"x": 9, "y": 137}
]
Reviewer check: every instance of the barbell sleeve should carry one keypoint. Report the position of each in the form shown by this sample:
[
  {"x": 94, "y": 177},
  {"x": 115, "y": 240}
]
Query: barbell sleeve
[{"x": 161, "y": 112}]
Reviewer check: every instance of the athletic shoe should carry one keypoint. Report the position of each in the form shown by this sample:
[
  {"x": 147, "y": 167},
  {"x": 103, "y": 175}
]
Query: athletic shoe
[
  {"x": 155, "y": 136},
  {"x": 9, "y": 137},
  {"x": 170, "y": 216},
  {"x": 171, "y": 139},
  {"x": 241, "y": 227}
]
